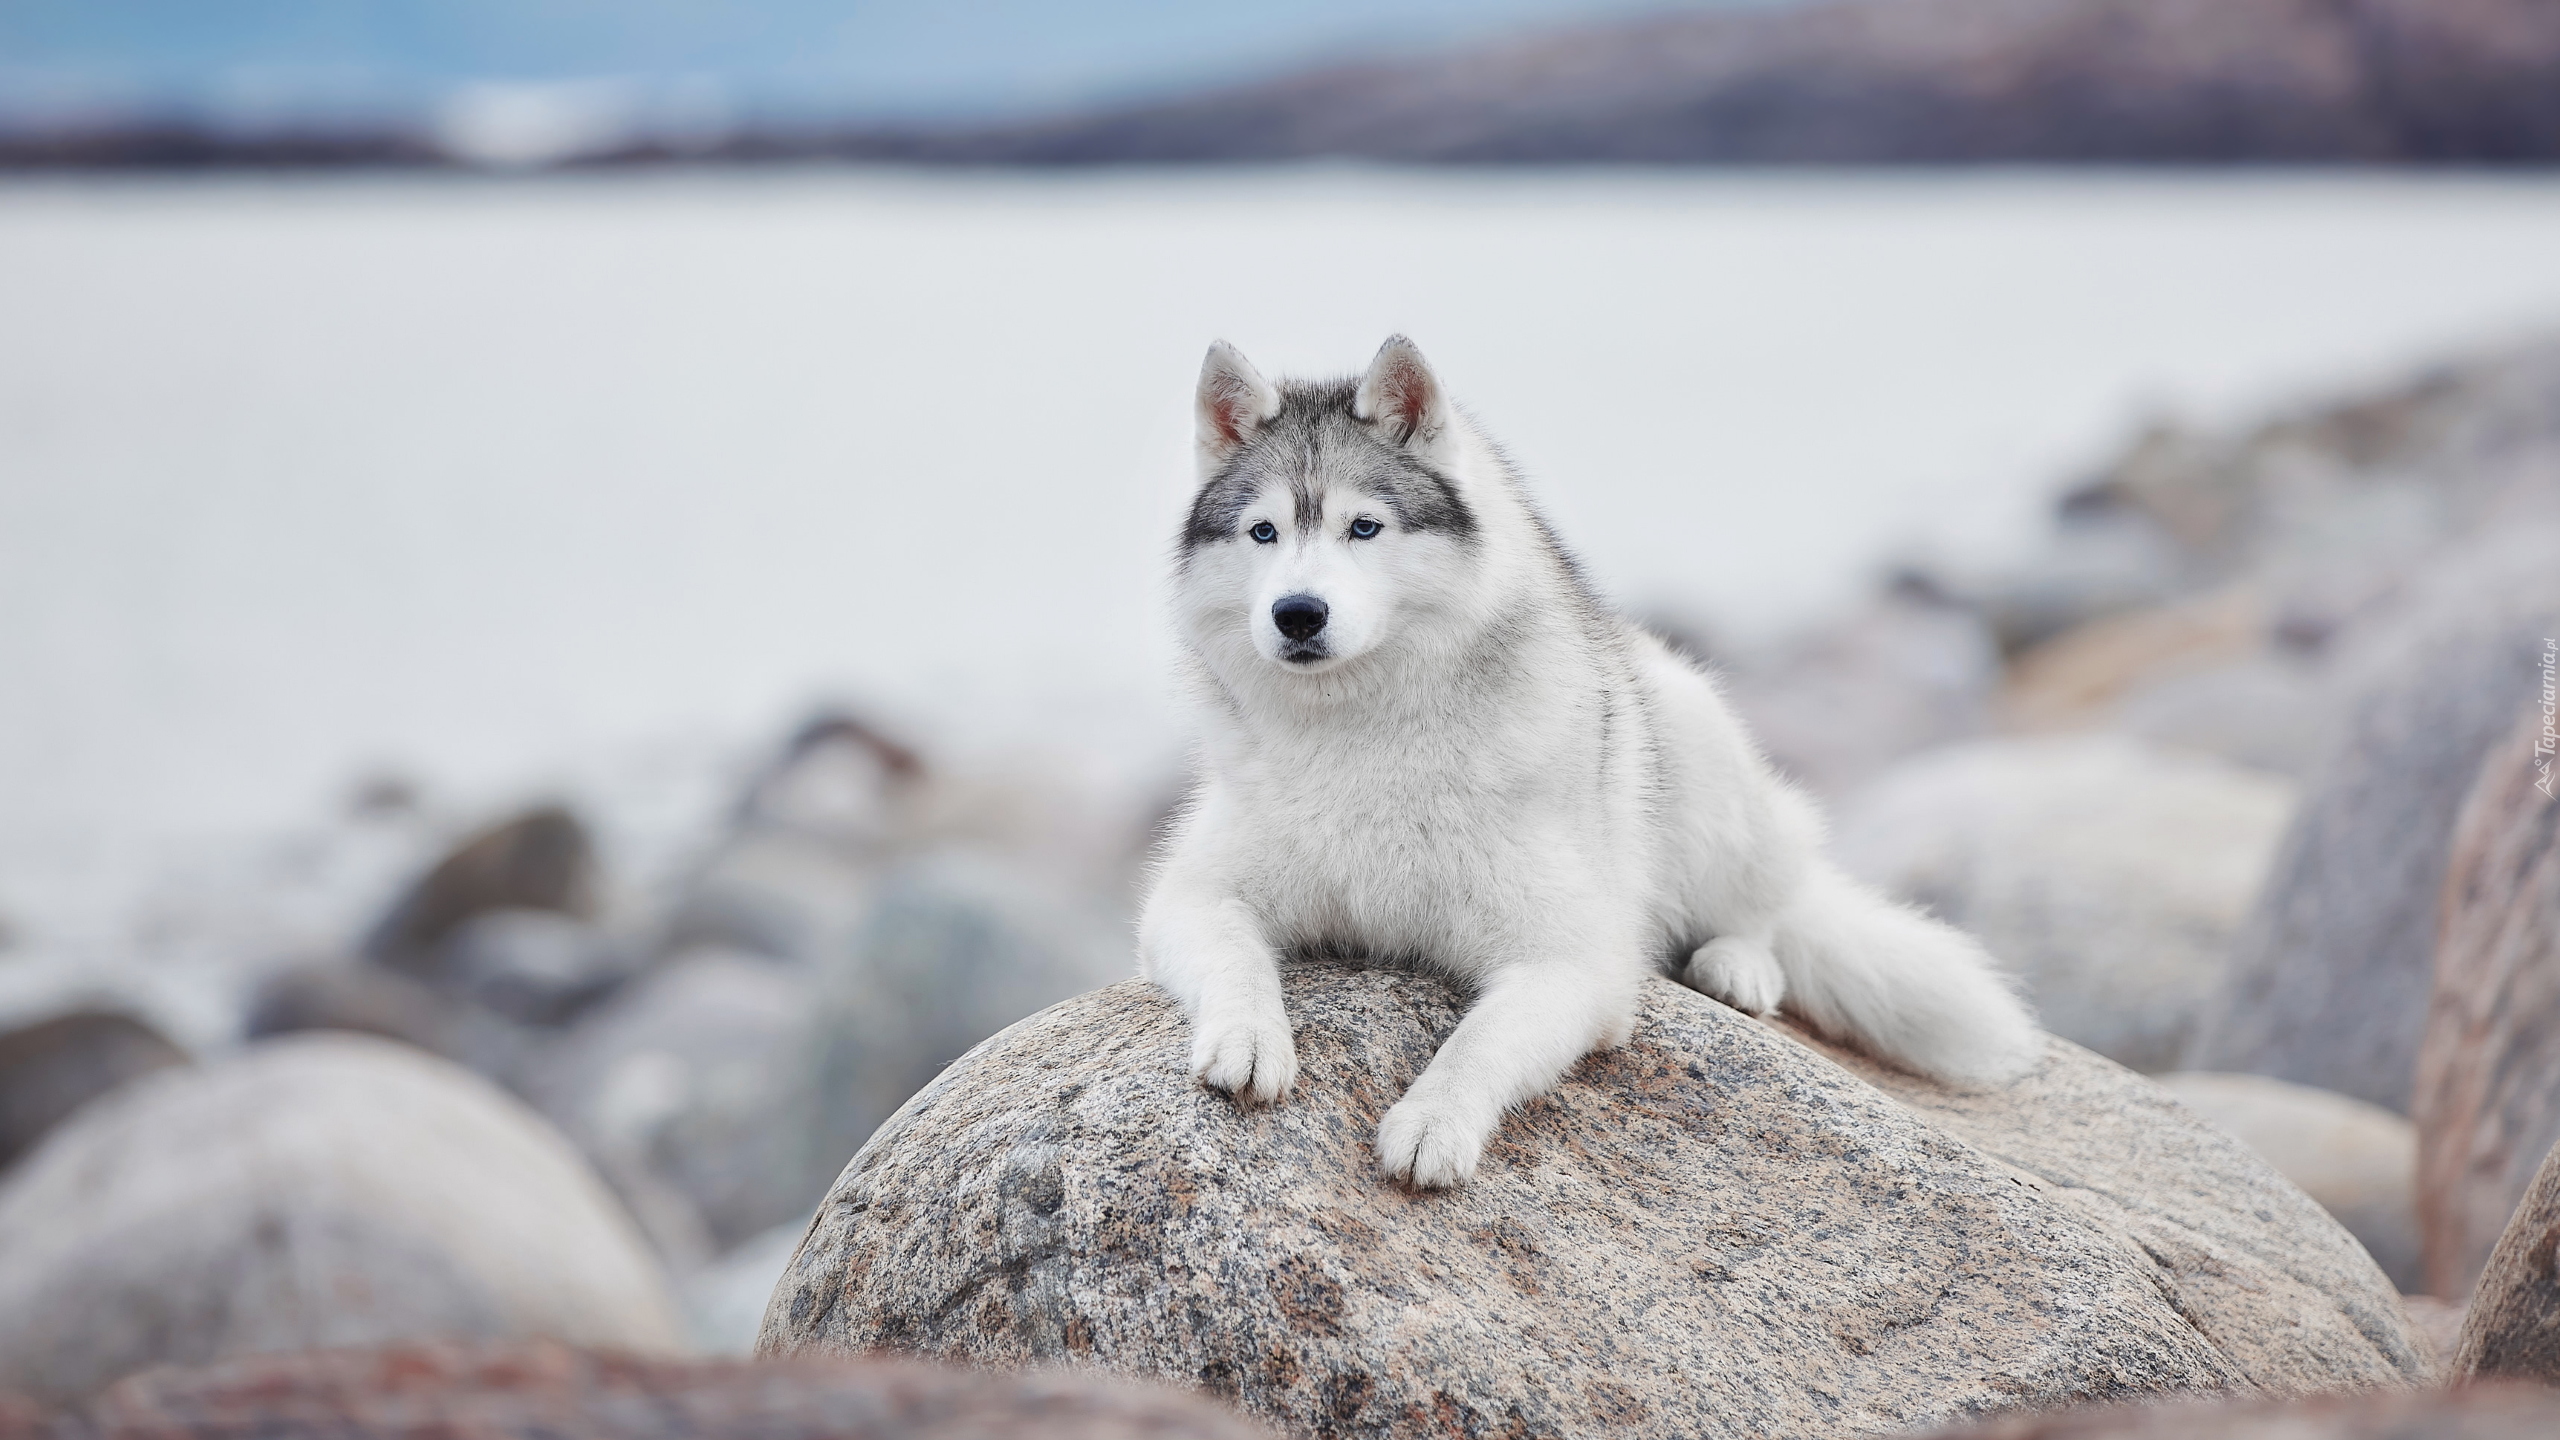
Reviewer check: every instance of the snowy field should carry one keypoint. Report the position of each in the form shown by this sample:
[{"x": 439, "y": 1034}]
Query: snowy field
[{"x": 503, "y": 484}]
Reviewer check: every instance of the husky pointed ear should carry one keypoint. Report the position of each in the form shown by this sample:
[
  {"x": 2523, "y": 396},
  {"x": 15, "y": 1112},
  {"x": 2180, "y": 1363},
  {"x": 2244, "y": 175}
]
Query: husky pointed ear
[
  {"x": 1402, "y": 397},
  {"x": 1234, "y": 402}
]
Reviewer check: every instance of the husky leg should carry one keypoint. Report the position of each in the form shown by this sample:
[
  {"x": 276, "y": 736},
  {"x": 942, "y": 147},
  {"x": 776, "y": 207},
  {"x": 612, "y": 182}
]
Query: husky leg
[
  {"x": 1529, "y": 1025},
  {"x": 1208, "y": 952},
  {"x": 1740, "y": 970}
]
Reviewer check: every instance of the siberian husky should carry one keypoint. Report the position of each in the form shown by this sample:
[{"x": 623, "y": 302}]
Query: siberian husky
[{"x": 1427, "y": 739}]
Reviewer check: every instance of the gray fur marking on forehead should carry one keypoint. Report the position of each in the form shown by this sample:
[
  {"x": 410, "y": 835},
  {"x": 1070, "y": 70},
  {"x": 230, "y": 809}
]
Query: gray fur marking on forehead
[{"x": 1315, "y": 446}]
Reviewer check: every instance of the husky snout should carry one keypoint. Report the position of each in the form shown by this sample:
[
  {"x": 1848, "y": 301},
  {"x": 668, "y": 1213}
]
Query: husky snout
[
  {"x": 1299, "y": 617},
  {"x": 1304, "y": 629}
]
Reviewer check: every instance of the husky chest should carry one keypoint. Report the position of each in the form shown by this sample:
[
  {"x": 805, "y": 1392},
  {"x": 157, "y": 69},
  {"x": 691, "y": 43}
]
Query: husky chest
[{"x": 1381, "y": 831}]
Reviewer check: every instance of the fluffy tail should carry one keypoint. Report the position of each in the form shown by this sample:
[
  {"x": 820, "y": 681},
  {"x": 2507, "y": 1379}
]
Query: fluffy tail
[{"x": 1900, "y": 985}]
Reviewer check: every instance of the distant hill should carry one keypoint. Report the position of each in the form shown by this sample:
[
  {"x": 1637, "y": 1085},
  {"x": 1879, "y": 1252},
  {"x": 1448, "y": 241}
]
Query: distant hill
[
  {"x": 1875, "y": 81},
  {"x": 243, "y": 64},
  {"x": 1831, "y": 82}
]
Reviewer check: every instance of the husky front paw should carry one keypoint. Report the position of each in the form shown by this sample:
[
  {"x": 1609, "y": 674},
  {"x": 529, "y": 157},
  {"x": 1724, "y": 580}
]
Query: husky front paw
[
  {"x": 1741, "y": 973},
  {"x": 1254, "y": 1060},
  {"x": 1430, "y": 1143}
]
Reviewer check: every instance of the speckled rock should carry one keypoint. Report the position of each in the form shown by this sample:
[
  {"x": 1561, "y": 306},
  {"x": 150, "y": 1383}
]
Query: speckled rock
[
  {"x": 2329, "y": 979},
  {"x": 2488, "y": 1092},
  {"x": 2485, "y": 1412},
  {"x": 2358, "y": 1160},
  {"x": 1718, "y": 1230},
  {"x": 2110, "y": 875},
  {"x": 2512, "y": 1330},
  {"x": 319, "y": 1190},
  {"x": 544, "y": 1391}
]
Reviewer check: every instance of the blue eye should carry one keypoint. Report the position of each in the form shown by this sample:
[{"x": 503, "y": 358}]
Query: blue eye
[
  {"x": 1364, "y": 527},
  {"x": 1263, "y": 533}
]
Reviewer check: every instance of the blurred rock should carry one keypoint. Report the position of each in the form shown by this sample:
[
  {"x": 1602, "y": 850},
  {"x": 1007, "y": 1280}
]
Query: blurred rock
[
  {"x": 495, "y": 943},
  {"x": 691, "y": 1090},
  {"x": 2400, "y": 470},
  {"x": 1900, "y": 675},
  {"x": 2333, "y": 504},
  {"x": 2270, "y": 711},
  {"x": 1717, "y": 1229},
  {"x": 2358, "y": 1160},
  {"x": 2512, "y": 1330},
  {"x": 537, "y": 967},
  {"x": 2109, "y": 874},
  {"x": 960, "y": 945},
  {"x": 2473, "y": 1412},
  {"x": 824, "y": 961},
  {"x": 724, "y": 1301},
  {"x": 547, "y": 1392},
  {"x": 2076, "y": 678},
  {"x": 794, "y": 879},
  {"x": 385, "y": 796},
  {"x": 329, "y": 995},
  {"x": 53, "y": 1067},
  {"x": 2095, "y": 564},
  {"x": 837, "y": 780},
  {"x": 316, "y": 1191},
  {"x": 2316, "y": 521},
  {"x": 542, "y": 859},
  {"x": 363, "y": 998},
  {"x": 2439, "y": 1323},
  {"x": 2329, "y": 979},
  {"x": 781, "y": 895},
  {"x": 2487, "y": 1100}
]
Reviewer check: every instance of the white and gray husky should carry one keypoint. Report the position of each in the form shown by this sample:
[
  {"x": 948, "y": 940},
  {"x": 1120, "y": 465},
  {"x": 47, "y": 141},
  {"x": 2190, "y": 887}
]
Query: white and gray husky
[{"x": 1429, "y": 741}]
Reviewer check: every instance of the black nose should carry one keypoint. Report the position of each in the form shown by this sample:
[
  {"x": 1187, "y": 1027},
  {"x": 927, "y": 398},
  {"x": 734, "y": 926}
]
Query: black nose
[{"x": 1298, "y": 616}]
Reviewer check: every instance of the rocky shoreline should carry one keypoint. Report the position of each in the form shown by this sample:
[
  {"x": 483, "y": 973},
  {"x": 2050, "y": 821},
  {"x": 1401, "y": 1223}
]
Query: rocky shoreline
[{"x": 2237, "y": 773}]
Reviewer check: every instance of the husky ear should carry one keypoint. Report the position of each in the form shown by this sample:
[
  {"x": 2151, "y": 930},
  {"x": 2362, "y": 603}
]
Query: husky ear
[
  {"x": 1402, "y": 397},
  {"x": 1234, "y": 402}
]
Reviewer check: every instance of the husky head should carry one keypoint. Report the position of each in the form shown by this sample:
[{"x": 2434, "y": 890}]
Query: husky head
[{"x": 1332, "y": 519}]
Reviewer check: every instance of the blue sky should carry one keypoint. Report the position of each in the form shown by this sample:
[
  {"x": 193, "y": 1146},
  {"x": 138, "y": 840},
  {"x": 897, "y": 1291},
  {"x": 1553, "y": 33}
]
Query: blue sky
[{"x": 896, "y": 58}]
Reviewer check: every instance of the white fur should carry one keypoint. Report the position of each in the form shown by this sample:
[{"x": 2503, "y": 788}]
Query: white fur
[{"x": 1491, "y": 774}]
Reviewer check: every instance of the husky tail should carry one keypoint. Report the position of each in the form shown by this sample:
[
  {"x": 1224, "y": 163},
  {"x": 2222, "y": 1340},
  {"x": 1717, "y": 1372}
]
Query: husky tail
[{"x": 1893, "y": 981}]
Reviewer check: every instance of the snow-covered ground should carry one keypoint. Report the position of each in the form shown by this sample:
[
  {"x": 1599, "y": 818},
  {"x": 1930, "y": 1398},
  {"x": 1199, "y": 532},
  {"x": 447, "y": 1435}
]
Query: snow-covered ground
[{"x": 551, "y": 484}]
